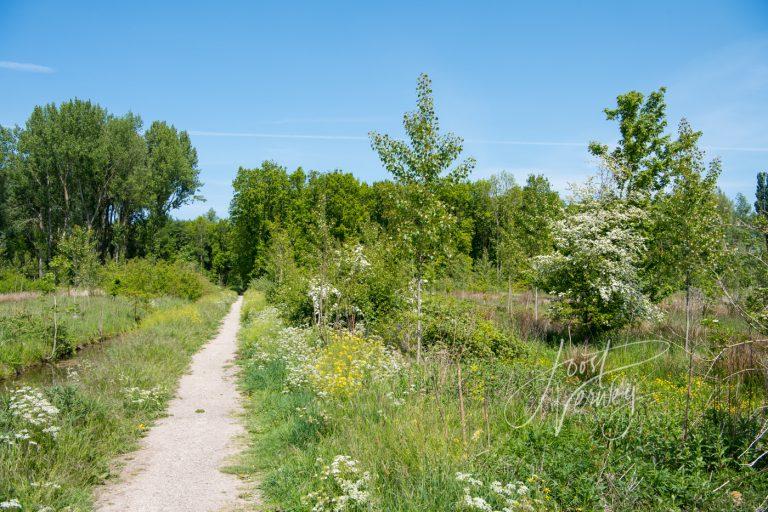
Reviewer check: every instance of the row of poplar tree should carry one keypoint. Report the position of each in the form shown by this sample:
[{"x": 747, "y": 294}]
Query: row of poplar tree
[{"x": 76, "y": 164}]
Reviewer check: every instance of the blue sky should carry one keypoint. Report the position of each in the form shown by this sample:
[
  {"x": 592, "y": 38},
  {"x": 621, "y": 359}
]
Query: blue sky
[{"x": 302, "y": 83}]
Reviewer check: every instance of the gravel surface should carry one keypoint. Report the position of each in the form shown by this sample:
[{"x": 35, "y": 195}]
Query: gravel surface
[{"x": 178, "y": 465}]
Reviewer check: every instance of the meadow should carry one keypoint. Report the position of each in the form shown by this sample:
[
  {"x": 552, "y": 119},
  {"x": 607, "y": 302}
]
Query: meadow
[{"x": 342, "y": 423}]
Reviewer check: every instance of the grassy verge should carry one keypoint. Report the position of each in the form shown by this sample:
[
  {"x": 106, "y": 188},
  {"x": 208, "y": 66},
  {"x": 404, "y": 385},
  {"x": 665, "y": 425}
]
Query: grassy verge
[
  {"x": 28, "y": 328},
  {"x": 57, "y": 441},
  {"x": 346, "y": 425}
]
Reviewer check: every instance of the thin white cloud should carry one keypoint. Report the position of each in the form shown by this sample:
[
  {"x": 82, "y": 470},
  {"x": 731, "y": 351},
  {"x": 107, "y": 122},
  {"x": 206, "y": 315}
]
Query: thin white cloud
[
  {"x": 525, "y": 142},
  {"x": 24, "y": 66},
  {"x": 275, "y": 135},
  {"x": 258, "y": 135},
  {"x": 328, "y": 120}
]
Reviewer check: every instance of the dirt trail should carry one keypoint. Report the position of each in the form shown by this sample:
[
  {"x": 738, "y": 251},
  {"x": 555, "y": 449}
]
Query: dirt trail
[{"x": 178, "y": 465}]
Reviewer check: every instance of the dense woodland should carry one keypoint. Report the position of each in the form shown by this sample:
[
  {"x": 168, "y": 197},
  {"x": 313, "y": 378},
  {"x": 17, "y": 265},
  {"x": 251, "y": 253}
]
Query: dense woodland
[{"x": 398, "y": 325}]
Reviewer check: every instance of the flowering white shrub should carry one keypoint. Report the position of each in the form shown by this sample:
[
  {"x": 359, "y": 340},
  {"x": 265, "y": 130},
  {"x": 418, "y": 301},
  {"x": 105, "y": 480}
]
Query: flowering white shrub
[
  {"x": 356, "y": 258},
  {"x": 502, "y": 497},
  {"x": 296, "y": 347},
  {"x": 325, "y": 299},
  {"x": 593, "y": 271},
  {"x": 28, "y": 406},
  {"x": 342, "y": 487}
]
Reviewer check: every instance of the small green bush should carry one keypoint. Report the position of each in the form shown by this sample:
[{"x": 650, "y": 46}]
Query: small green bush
[
  {"x": 459, "y": 325},
  {"x": 293, "y": 298},
  {"x": 13, "y": 281},
  {"x": 146, "y": 279}
]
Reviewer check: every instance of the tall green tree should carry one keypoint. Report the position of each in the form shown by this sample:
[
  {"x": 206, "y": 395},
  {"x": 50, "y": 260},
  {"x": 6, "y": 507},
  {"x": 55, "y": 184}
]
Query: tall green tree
[
  {"x": 174, "y": 177},
  {"x": 685, "y": 235},
  {"x": 7, "y": 145},
  {"x": 264, "y": 199},
  {"x": 422, "y": 164},
  {"x": 540, "y": 207},
  {"x": 75, "y": 164},
  {"x": 639, "y": 161}
]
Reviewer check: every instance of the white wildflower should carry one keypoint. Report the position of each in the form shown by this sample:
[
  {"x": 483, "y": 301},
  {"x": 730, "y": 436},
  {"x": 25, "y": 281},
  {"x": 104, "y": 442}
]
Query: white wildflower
[{"x": 10, "y": 504}]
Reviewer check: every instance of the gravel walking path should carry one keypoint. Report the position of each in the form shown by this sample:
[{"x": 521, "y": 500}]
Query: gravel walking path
[{"x": 178, "y": 467}]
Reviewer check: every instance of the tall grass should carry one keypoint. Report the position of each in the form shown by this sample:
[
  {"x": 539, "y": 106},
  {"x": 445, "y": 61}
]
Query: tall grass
[
  {"x": 28, "y": 328},
  {"x": 414, "y": 431},
  {"x": 104, "y": 403}
]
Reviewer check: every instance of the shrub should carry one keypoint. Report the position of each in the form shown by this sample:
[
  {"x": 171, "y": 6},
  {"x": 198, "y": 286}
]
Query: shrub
[
  {"x": 459, "y": 325},
  {"x": 144, "y": 279},
  {"x": 293, "y": 298},
  {"x": 13, "y": 281},
  {"x": 593, "y": 272}
]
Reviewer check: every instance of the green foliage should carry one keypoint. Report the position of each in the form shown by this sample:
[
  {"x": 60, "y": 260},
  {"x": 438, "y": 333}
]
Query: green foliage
[
  {"x": 76, "y": 164},
  {"x": 639, "y": 161},
  {"x": 172, "y": 162},
  {"x": 26, "y": 339},
  {"x": 13, "y": 281},
  {"x": 268, "y": 200},
  {"x": 460, "y": 326},
  {"x": 427, "y": 156},
  {"x": 420, "y": 430},
  {"x": 422, "y": 222},
  {"x": 144, "y": 279},
  {"x": 76, "y": 262},
  {"x": 685, "y": 242},
  {"x": 593, "y": 271}
]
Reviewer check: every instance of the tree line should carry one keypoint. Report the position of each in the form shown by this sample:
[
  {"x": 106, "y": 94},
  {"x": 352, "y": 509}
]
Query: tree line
[{"x": 650, "y": 223}]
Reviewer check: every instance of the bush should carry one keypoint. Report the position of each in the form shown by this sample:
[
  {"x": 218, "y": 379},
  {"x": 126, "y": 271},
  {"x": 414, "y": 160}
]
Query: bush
[
  {"x": 13, "y": 281},
  {"x": 293, "y": 298},
  {"x": 459, "y": 325},
  {"x": 146, "y": 279}
]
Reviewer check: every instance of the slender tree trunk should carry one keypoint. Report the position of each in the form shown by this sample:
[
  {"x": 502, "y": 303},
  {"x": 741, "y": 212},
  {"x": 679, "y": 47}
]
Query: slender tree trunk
[
  {"x": 418, "y": 319},
  {"x": 689, "y": 352},
  {"x": 536, "y": 303},
  {"x": 687, "y": 315},
  {"x": 509, "y": 295}
]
